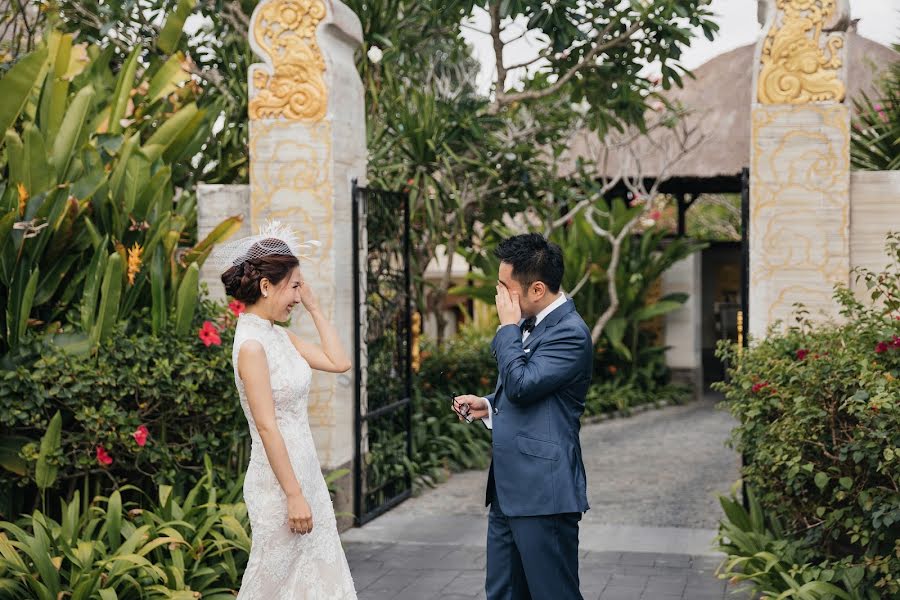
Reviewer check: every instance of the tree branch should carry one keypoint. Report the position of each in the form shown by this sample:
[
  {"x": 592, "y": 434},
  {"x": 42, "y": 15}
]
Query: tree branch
[
  {"x": 501, "y": 99},
  {"x": 498, "y": 48}
]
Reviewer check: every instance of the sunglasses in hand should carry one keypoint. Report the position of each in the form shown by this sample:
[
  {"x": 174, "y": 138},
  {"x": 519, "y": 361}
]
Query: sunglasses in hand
[{"x": 461, "y": 409}]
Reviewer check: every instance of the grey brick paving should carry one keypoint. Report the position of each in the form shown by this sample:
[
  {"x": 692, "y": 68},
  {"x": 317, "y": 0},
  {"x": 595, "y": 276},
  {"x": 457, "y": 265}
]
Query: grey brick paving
[{"x": 389, "y": 572}]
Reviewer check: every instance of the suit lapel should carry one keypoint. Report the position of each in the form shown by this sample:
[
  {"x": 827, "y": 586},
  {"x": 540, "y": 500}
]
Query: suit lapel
[{"x": 548, "y": 322}]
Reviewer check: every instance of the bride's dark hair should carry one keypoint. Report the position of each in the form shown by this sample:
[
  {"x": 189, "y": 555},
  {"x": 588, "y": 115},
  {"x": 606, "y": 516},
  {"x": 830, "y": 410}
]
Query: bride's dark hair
[{"x": 242, "y": 280}]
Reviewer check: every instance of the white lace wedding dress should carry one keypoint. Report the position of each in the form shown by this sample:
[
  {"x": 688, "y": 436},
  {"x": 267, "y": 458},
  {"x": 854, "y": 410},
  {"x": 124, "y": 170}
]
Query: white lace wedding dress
[{"x": 285, "y": 565}]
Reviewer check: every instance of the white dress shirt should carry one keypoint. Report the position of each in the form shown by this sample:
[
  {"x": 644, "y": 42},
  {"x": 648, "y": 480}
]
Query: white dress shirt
[{"x": 560, "y": 300}]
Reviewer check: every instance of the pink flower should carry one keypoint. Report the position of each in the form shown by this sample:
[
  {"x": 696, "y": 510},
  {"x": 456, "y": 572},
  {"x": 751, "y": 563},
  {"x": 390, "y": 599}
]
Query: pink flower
[
  {"x": 209, "y": 335},
  {"x": 102, "y": 457},
  {"x": 237, "y": 307},
  {"x": 881, "y": 347},
  {"x": 801, "y": 353},
  {"x": 140, "y": 436},
  {"x": 655, "y": 215}
]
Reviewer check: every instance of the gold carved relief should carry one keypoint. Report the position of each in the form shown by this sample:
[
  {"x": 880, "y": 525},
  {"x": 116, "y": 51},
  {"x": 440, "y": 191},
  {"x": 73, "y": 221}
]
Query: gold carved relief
[
  {"x": 795, "y": 67},
  {"x": 294, "y": 87}
]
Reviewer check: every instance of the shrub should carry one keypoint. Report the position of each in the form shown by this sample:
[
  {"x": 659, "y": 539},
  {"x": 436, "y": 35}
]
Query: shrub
[
  {"x": 819, "y": 425},
  {"x": 145, "y": 409}
]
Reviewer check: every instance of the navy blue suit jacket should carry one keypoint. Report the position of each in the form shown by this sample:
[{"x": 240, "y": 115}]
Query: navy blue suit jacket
[{"x": 537, "y": 467}]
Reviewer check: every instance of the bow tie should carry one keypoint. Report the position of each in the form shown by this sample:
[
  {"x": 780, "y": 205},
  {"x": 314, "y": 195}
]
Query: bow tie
[{"x": 528, "y": 324}]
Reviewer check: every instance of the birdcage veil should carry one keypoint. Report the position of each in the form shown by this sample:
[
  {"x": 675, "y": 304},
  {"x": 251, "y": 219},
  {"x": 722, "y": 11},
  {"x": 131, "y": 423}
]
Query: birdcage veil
[{"x": 274, "y": 238}]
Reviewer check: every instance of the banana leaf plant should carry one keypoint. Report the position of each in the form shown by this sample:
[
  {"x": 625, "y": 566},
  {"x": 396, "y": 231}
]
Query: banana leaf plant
[{"x": 91, "y": 226}]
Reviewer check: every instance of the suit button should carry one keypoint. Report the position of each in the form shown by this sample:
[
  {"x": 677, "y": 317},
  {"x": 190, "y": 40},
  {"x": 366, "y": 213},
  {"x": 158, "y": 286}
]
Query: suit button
[{"x": 496, "y": 411}]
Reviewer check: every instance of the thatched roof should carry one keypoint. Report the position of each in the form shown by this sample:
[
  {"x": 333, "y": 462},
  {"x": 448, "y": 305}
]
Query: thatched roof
[{"x": 719, "y": 99}]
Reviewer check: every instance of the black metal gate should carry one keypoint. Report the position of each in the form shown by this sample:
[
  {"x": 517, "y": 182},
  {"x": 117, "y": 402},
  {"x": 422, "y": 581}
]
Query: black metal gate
[{"x": 383, "y": 425}]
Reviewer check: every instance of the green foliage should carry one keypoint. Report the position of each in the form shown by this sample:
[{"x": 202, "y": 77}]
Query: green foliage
[
  {"x": 758, "y": 553},
  {"x": 819, "y": 424},
  {"x": 131, "y": 546},
  {"x": 612, "y": 395},
  {"x": 86, "y": 193},
  {"x": 180, "y": 390},
  {"x": 875, "y": 136}
]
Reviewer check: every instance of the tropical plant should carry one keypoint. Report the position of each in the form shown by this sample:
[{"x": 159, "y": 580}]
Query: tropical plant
[
  {"x": 129, "y": 546},
  {"x": 819, "y": 416},
  {"x": 875, "y": 135},
  {"x": 90, "y": 223}
]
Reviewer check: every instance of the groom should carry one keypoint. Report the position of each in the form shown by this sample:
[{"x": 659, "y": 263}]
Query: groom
[{"x": 536, "y": 486}]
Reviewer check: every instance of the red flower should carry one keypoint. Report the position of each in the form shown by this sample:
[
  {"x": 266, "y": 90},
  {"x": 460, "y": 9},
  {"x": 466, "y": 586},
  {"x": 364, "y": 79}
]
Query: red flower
[
  {"x": 758, "y": 386},
  {"x": 881, "y": 347},
  {"x": 102, "y": 457},
  {"x": 209, "y": 335},
  {"x": 895, "y": 342},
  {"x": 801, "y": 353},
  {"x": 237, "y": 307},
  {"x": 140, "y": 436}
]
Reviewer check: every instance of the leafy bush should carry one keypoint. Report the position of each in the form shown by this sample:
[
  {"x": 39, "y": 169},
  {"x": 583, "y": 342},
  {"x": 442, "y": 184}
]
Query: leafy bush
[
  {"x": 131, "y": 546},
  {"x": 174, "y": 395},
  {"x": 819, "y": 424},
  {"x": 611, "y": 395}
]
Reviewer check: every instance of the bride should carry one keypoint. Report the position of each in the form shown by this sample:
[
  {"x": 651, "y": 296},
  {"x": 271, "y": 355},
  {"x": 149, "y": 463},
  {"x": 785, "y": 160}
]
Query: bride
[{"x": 296, "y": 552}]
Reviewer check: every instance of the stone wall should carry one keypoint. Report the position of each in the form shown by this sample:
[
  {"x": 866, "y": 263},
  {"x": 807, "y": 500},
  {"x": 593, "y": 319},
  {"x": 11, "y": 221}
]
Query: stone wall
[{"x": 874, "y": 211}]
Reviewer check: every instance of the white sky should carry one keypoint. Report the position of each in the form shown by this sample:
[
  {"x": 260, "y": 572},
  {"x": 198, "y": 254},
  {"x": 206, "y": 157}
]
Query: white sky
[{"x": 738, "y": 26}]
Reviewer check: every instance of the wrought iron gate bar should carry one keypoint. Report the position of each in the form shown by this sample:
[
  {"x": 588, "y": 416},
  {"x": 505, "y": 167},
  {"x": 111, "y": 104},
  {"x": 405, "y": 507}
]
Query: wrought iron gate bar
[{"x": 384, "y": 316}]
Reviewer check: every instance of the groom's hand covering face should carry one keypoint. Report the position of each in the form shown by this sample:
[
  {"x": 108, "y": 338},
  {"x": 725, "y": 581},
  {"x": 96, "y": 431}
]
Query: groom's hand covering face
[{"x": 508, "y": 308}]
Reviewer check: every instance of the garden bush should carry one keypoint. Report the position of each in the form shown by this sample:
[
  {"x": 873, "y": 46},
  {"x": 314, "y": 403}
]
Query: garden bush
[{"x": 818, "y": 408}]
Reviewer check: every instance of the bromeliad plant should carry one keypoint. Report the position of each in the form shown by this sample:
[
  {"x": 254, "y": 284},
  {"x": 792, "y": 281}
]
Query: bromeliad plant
[
  {"x": 128, "y": 546},
  {"x": 90, "y": 223}
]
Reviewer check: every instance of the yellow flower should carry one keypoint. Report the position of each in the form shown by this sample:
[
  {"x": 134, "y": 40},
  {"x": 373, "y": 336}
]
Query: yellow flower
[
  {"x": 134, "y": 262},
  {"x": 23, "y": 198}
]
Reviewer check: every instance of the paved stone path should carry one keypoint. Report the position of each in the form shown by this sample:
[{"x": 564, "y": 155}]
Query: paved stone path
[{"x": 653, "y": 481}]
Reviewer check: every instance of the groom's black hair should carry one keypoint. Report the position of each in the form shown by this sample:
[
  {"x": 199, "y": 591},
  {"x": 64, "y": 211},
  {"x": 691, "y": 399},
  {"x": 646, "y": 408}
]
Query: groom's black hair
[{"x": 533, "y": 258}]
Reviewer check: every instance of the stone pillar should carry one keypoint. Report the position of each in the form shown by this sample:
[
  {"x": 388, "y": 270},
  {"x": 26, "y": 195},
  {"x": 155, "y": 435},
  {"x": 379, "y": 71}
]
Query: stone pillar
[
  {"x": 215, "y": 203},
  {"x": 307, "y": 143},
  {"x": 799, "y": 162},
  {"x": 684, "y": 326}
]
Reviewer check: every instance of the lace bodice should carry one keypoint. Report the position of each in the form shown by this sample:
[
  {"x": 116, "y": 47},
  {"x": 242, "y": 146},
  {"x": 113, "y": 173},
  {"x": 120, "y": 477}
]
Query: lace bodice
[
  {"x": 289, "y": 374},
  {"x": 285, "y": 565}
]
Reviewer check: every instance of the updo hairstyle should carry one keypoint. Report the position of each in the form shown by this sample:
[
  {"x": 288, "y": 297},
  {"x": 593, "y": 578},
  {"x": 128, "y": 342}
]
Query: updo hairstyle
[{"x": 274, "y": 261}]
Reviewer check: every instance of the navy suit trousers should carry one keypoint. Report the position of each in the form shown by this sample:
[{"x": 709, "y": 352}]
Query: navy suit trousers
[{"x": 532, "y": 558}]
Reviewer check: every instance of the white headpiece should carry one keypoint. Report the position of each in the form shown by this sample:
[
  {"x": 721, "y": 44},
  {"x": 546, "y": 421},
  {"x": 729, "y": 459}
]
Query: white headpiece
[{"x": 273, "y": 239}]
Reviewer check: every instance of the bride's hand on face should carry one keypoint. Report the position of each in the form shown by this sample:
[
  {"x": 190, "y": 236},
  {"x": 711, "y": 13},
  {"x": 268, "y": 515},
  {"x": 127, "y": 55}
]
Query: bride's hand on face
[
  {"x": 299, "y": 515},
  {"x": 308, "y": 297}
]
